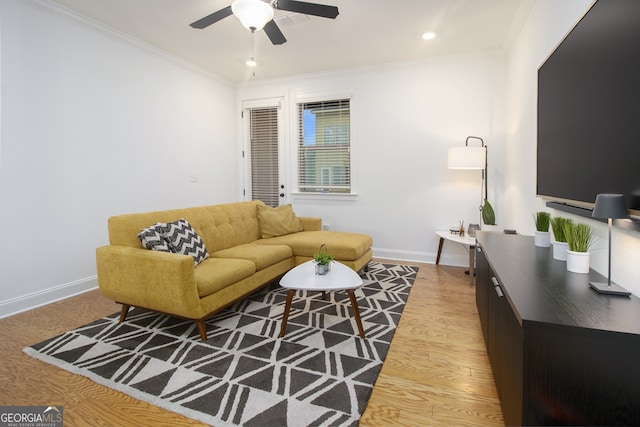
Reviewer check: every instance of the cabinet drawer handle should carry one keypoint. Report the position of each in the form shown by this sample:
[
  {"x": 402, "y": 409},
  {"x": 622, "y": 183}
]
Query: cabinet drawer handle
[
  {"x": 497, "y": 287},
  {"x": 478, "y": 248}
]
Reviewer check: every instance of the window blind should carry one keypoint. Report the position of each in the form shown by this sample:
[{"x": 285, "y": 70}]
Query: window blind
[
  {"x": 263, "y": 134},
  {"x": 324, "y": 148}
]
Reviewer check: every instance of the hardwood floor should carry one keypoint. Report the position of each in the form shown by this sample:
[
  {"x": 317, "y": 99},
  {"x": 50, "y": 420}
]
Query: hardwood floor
[{"x": 436, "y": 373}]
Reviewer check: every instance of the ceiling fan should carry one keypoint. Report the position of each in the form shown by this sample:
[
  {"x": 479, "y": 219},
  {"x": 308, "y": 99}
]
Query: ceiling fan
[{"x": 258, "y": 14}]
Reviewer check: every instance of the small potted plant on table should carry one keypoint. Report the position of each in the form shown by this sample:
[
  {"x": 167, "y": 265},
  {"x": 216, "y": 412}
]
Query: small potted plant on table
[
  {"x": 580, "y": 237},
  {"x": 488, "y": 216},
  {"x": 323, "y": 260},
  {"x": 542, "y": 220},
  {"x": 560, "y": 239}
]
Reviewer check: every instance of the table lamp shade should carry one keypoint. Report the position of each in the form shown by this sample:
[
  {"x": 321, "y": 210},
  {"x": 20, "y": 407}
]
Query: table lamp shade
[
  {"x": 610, "y": 206},
  {"x": 466, "y": 158}
]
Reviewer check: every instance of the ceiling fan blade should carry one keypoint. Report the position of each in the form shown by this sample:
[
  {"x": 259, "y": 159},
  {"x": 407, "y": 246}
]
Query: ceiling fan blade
[
  {"x": 213, "y": 18},
  {"x": 315, "y": 9},
  {"x": 274, "y": 33}
]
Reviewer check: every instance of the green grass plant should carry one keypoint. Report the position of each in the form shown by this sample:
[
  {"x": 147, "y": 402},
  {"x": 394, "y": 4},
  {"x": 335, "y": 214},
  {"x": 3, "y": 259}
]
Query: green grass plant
[
  {"x": 557, "y": 225},
  {"x": 580, "y": 237},
  {"x": 542, "y": 220}
]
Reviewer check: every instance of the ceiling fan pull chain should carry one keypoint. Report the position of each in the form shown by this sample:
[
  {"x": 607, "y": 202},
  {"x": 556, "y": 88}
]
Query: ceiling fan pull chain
[{"x": 252, "y": 62}]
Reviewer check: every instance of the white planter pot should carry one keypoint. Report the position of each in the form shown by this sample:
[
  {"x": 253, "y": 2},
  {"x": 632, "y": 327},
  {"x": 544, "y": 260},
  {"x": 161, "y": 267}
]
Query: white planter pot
[
  {"x": 560, "y": 251},
  {"x": 542, "y": 239},
  {"x": 578, "y": 262}
]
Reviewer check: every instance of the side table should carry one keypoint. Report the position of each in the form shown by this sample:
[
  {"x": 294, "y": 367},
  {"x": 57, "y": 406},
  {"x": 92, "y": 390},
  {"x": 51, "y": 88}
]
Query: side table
[{"x": 466, "y": 241}]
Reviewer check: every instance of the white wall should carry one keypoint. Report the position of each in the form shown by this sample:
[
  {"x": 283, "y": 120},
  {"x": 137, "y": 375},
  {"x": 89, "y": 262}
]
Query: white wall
[
  {"x": 547, "y": 24},
  {"x": 405, "y": 117},
  {"x": 94, "y": 125}
]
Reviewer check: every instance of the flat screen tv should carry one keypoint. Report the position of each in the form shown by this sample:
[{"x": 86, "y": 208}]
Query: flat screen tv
[{"x": 589, "y": 109}]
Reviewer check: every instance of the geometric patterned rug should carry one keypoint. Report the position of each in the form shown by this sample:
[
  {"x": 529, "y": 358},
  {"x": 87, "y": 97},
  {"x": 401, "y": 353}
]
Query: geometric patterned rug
[{"x": 320, "y": 374}]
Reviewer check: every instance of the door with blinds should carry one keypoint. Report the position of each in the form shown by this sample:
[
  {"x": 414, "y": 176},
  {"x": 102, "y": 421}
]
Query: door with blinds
[{"x": 262, "y": 129}]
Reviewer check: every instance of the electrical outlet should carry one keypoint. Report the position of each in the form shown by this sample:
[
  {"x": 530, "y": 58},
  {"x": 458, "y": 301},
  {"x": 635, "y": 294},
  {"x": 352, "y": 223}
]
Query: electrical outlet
[
  {"x": 193, "y": 176},
  {"x": 325, "y": 227}
]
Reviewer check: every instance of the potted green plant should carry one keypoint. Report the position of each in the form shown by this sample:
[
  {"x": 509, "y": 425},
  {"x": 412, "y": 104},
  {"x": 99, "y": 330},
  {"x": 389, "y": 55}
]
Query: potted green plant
[
  {"x": 542, "y": 221},
  {"x": 323, "y": 260},
  {"x": 560, "y": 239},
  {"x": 580, "y": 238},
  {"x": 488, "y": 215}
]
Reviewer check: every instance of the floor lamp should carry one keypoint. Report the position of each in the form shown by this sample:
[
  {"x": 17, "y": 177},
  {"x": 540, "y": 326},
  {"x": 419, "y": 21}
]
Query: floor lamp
[
  {"x": 609, "y": 206},
  {"x": 471, "y": 158}
]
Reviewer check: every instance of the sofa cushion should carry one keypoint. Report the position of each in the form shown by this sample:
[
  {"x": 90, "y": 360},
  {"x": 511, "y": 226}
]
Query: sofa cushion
[
  {"x": 214, "y": 274},
  {"x": 278, "y": 221},
  {"x": 342, "y": 245},
  {"x": 152, "y": 238},
  {"x": 220, "y": 226},
  {"x": 185, "y": 241},
  {"x": 262, "y": 255}
]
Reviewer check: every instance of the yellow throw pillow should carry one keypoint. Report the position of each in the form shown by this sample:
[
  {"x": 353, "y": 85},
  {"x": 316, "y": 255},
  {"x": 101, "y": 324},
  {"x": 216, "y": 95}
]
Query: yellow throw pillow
[{"x": 278, "y": 221}]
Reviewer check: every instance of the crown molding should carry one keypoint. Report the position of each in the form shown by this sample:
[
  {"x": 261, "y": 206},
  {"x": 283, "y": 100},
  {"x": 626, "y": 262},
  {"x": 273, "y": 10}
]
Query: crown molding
[{"x": 58, "y": 11}]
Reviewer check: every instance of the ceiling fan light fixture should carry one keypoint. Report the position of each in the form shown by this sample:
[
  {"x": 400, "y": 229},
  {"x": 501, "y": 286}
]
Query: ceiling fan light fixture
[
  {"x": 253, "y": 14},
  {"x": 251, "y": 62}
]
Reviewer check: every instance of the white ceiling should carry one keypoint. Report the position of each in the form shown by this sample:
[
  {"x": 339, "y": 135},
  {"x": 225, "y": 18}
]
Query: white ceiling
[{"x": 365, "y": 32}]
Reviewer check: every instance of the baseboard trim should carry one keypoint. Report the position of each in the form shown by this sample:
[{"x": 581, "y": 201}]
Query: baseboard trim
[
  {"x": 47, "y": 296},
  {"x": 68, "y": 290},
  {"x": 423, "y": 257}
]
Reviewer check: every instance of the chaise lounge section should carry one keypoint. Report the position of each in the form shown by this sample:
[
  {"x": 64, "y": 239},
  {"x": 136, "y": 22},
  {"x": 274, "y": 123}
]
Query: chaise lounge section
[{"x": 248, "y": 245}]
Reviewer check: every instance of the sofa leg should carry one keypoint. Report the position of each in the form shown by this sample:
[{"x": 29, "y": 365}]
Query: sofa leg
[
  {"x": 124, "y": 312},
  {"x": 366, "y": 268},
  {"x": 202, "y": 329}
]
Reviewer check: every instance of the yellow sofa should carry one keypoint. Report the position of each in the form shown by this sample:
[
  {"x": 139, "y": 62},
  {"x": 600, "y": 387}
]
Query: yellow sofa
[{"x": 240, "y": 260}]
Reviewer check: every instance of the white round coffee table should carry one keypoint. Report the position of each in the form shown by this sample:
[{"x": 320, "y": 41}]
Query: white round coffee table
[{"x": 304, "y": 278}]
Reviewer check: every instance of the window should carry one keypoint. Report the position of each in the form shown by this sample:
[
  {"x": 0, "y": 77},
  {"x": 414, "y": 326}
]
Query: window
[{"x": 324, "y": 147}]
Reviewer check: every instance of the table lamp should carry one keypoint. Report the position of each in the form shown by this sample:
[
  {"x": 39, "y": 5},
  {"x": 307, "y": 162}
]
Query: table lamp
[{"x": 609, "y": 206}]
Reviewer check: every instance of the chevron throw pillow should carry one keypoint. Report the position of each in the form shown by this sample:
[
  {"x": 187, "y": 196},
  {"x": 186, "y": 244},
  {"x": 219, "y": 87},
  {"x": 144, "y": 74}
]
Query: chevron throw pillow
[
  {"x": 185, "y": 241},
  {"x": 152, "y": 238}
]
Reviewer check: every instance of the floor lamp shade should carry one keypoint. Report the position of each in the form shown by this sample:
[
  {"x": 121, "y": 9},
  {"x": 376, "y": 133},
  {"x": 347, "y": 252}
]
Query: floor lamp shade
[
  {"x": 470, "y": 158},
  {"x": 466, "y": 157}
]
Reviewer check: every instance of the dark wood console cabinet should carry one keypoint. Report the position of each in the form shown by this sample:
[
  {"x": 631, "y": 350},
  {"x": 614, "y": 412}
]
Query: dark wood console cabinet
[{"x": 561, "y": 354}]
